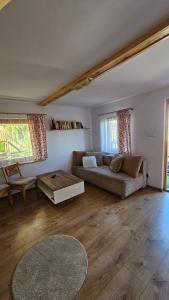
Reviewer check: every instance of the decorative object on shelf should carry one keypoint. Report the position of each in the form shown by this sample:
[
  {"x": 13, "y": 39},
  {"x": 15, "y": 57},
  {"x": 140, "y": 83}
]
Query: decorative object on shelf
[{"x": 65, "y": 125}]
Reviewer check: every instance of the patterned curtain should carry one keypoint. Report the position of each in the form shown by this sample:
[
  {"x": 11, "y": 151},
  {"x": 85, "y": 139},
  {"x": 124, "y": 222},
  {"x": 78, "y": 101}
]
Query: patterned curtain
[
  {"x": 37, "y": 128},
  {"x": 124, "y": 131}
]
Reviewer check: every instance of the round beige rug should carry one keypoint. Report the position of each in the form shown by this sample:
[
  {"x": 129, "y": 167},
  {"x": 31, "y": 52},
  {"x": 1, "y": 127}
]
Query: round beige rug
[{"x": 53, "y": 269}]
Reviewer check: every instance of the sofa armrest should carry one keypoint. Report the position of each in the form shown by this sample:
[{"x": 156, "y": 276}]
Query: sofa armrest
[
  {"x": 77, "y": 158},
  {"x": 143, "y": 170}
]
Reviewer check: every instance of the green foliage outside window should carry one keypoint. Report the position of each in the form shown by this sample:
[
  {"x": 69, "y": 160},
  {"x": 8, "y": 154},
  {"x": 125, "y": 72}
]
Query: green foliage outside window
[{"x": 15, "y": 141}]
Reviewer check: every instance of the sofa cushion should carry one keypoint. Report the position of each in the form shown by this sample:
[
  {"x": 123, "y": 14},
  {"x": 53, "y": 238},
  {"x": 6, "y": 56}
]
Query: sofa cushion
[
  {"x": 118, "y": 183},
  {"x": 98, "y": 155},
  {"x": 89, "y": 162},
  {"x": 116, "y": 164},
  {"x": 131, "y": 165},
  {"x": 77, "y": 157},
  {"x": 104, "y": 170}
]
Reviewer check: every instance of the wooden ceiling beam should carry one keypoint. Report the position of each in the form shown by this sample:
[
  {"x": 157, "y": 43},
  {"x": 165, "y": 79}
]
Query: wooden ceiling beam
[
  {"x": 151, "y": 38},
  {"x": 3, "y": 3}
]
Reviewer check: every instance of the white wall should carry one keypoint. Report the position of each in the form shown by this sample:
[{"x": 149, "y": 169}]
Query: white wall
[
  {"x": 60, "y": 143},
  {"x": 148, "y": 129}
]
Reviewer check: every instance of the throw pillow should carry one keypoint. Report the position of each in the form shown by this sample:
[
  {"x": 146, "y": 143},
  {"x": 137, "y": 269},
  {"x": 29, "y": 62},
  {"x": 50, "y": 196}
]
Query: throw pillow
[
  {"x": 131, "y": 165},
  {"x": 98, "y": 155},
  {"x": 116, "y": 164},
  {"x": 89, "y": 162},
  {"x": 107, "y": 158}
]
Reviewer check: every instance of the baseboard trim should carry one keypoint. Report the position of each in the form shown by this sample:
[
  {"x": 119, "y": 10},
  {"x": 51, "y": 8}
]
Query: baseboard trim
[{"x": 156, "y": 188}]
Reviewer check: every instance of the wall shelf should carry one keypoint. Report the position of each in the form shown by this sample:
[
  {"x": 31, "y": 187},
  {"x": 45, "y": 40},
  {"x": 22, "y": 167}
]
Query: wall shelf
[
  {"x": 66, "y": 125},
  {"x": 69, "y": 129}
]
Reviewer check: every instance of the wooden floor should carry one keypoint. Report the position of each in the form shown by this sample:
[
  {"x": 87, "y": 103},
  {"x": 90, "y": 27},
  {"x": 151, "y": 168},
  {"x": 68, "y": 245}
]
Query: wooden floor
[{"x": 127, "y": 241}]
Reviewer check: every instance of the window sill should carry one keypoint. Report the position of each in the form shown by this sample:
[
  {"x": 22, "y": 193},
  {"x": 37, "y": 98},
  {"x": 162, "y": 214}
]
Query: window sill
[{"x": 22, "y": 163}]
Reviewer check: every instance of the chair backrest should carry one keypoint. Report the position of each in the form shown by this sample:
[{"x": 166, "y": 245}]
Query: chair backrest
[{"x": 11, "y": 170}]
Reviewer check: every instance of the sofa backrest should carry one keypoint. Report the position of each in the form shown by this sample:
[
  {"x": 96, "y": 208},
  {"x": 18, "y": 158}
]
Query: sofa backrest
[
  {"x": 77, "y": 160},
  {"x": 107, "y": 159}
]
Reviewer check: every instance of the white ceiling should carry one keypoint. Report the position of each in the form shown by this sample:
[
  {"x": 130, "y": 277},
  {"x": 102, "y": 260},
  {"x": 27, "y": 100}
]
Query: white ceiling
[
  {"x": 44, "y": 44},
  {"x": 143, "y": 73}
]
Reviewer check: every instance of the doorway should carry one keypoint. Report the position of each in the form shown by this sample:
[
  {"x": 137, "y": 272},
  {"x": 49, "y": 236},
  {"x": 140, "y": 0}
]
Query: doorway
[{"x": 166, "y": 149}]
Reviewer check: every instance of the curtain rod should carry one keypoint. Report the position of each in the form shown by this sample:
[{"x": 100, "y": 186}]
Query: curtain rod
[
  {"x": 7, "y": 113},
  {"x": 112, "y": 112}
]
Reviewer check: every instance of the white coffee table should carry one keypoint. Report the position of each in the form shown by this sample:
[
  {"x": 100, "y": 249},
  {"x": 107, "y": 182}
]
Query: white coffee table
[{"x": 59, "y": 185}]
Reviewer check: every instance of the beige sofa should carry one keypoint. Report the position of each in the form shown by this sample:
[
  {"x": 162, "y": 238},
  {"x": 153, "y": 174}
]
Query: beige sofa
[{"x": 119, "y": 183}]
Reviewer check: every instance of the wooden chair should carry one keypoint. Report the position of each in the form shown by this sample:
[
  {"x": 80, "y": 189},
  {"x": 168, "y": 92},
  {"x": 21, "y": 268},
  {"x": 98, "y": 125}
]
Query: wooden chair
[{"x": 19, "y": 183}]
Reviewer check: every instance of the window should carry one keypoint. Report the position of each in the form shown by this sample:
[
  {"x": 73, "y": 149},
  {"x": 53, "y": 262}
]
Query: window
[
  {"x": 15, "y": 142},
  {"x": 22, "y": 139},
  {"x": 109, "y": 135}
]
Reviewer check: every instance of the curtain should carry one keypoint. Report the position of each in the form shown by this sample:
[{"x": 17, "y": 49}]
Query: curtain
[
  {"x": 124, "y": 131},
  {"x": 109, "y": 142},
  {"x": 37, "y": 128}
]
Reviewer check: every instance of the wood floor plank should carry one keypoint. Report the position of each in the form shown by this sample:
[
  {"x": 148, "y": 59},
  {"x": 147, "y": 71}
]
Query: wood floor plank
[
  {"x": 127, "y": 242},
  {"x": 124, "y": 285},
  {"x": 158, "y": 286}
]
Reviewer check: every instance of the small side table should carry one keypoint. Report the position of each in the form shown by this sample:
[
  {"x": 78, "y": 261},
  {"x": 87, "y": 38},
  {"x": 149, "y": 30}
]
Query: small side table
[{"x": 4, "y": 191}]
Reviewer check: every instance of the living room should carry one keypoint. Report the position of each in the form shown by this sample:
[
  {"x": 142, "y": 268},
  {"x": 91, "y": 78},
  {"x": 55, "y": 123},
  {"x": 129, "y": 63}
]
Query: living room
[{"x": 84, "y": 150}]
